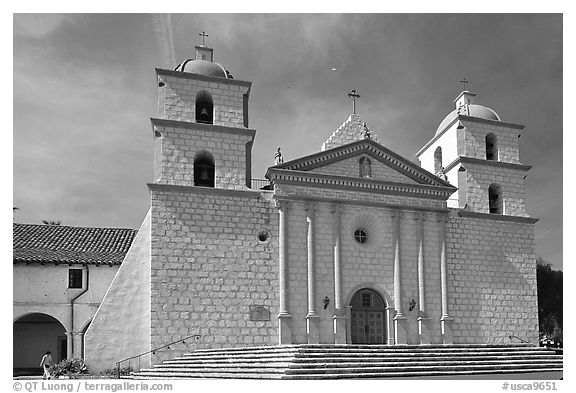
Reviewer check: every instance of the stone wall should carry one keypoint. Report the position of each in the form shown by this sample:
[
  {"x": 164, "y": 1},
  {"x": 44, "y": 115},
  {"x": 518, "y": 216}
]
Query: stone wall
[
  {"x": 492, "y": 280},
  {"x": 479, "y": 177},
  {"x": 178, "y": 145},
  {"x": 368, "y": 265},
  {"x": 209, "y": 267},
  {"x": 475, "y": 141},
  {"x": 351, "y": 130},
  {"x": 177, "y": 98},
  {"x": 350, "y": 167}
]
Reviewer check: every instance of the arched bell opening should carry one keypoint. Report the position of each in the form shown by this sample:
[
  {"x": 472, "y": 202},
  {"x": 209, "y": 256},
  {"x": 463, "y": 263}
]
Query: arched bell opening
[
  {"x": 204, "y": 108},
  {"x": 204, "y": 169}
]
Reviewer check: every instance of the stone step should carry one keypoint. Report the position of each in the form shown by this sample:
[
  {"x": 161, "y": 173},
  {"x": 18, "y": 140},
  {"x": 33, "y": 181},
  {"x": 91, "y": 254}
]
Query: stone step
[
  {"x": 335, "y": 361},
  {"x": 303, "y": 360},
  {"x": 363, "y": 355}
]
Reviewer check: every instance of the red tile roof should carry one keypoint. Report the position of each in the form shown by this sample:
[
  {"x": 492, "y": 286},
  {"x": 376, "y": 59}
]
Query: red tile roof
[{"x": 72, "y": 245}]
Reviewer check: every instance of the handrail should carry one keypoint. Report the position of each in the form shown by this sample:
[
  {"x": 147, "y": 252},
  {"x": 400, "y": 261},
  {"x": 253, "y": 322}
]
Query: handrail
[
  {"x": 518, "y": 338},
  {"x": 182, "y": 340}
]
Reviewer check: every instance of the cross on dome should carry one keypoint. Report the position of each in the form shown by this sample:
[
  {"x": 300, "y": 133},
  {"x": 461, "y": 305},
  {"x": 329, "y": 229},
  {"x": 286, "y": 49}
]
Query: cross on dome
[{"x": 203, "y": 35}]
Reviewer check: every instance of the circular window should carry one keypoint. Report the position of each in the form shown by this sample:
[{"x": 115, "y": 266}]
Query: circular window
[{"x": 360, "y": 235}]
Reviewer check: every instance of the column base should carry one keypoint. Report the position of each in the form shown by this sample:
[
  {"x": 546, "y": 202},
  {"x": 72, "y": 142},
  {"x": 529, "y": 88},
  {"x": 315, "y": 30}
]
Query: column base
[
  {"x": 446, "y": 326},
  {"x": 284, "y": 329},
  {"x": 313, "y": 328},
  {"x": 390, "y": 325},
  {"x": 339, "y": 329},
  {"x": 400, "y": 329},
  {"x": 424, "y": 330}
]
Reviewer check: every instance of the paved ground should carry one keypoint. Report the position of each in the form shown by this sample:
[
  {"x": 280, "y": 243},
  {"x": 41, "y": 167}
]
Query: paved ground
[{"x": 550, "y": 376}]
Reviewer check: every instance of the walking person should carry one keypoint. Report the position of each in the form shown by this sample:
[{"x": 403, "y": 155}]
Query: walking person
[{"x": 46, "y": 363}]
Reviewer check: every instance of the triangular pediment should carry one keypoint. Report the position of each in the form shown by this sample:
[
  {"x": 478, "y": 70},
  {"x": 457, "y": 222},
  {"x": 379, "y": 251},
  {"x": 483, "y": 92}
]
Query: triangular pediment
[{"x": 385, "y": 165}]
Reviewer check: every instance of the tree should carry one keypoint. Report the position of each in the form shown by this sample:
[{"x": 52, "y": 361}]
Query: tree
[
  {"x": 549, "y": 283},
  {"x": 50, "y": 222}
]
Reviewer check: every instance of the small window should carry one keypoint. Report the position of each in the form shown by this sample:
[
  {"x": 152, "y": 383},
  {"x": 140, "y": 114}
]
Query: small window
[
  {"x": 366, "y": 300},
  {"x": 360, "y": 235},
  {"x": 75, "y": 278},
  {"x": 437, "y": 160}
]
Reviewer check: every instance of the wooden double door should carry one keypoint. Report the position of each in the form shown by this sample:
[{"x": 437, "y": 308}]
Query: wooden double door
[{"x": 368, "y": 318}]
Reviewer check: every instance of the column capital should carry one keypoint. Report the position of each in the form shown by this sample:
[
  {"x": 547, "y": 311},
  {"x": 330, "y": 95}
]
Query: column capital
[
  {"x": 442, "y": 217},
  {"x": 335, "y": 208},
  {"x": 309, "y": 207},
  {"x": 281, "y": 204},
  {"x": 397, "y": 214}
]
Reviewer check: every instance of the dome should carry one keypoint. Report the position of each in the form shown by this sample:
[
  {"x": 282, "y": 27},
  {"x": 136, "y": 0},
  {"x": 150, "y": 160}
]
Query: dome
[
  {"x": 473, "y": 110},
  {"x": 203, "y": 67}
]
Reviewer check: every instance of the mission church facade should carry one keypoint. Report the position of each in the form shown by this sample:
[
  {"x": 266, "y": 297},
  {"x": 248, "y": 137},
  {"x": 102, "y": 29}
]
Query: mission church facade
[{"x": 351, "y": 245}]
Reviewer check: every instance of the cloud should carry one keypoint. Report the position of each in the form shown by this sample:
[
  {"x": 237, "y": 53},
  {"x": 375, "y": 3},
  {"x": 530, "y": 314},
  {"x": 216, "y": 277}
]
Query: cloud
[{"x": 36, "y": 25}]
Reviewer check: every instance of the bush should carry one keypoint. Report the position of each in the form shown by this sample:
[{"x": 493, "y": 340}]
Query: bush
[
  {"x": 69, "y": 367},
  {"x": 113, "y": 372}
]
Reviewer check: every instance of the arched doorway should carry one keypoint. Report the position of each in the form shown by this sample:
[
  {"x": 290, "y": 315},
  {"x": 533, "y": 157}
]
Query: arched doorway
[
  {"x": 368, "y": 318},
  {"x": 33, "y": 335}
]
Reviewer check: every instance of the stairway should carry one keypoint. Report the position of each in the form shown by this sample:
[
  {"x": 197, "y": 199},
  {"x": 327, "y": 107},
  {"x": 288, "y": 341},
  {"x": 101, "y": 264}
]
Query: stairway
[{"x": 356, "y": 361}]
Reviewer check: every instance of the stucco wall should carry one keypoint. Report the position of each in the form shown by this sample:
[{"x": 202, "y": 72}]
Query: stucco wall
[{"x": 121, "y": 326}]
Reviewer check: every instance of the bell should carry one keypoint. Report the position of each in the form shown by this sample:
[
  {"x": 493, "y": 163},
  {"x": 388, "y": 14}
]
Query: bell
[
  {"x": 204, "y": 112},
  {"x": 204, "y": 175}
]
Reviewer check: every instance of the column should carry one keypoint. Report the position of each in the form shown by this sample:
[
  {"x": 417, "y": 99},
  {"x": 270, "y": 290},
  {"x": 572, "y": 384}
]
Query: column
[
  {"x": 312, "y": 319},
  {"x": 78, "y": 344},
  {"x": 69, "y": 346},
  {"x": 423, "y": 320},
  {"x": 446, "y": 319},
  {"x": 284, "y": 318},
  {"x": 399, "y": 318},
  {"x": 339, "y": 313}
]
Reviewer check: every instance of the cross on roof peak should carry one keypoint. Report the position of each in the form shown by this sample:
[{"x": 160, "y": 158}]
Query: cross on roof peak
[
  {"x": 464, "y": 82},
  {"x": 354, "y": 95}
]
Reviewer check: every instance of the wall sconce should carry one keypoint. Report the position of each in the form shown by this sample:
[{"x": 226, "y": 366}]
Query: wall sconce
[
  {"x": 411, "y": 305},
  {"x": 326, "y": 302},
  {"x": 460, "y": 126}
]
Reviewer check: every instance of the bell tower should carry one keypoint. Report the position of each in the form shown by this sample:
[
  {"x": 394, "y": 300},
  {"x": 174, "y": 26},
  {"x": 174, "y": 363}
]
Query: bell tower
[
  {"x": 201, "y": 133},
  {"x": 478, "y": 153}
]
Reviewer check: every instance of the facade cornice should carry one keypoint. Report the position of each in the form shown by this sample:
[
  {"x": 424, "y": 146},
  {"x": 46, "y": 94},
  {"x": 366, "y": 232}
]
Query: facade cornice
[
  {"x": 332, "y": 201},
  {"x": 365, "y": 146},
  {"x": 498, "y": 217},
  {"x": 157, "y": 122},
  {"x": 471, "y": 120},
  {"x": 285, "y": 176},
  {"x": 204, "y": 190},
  {"x": 477, "y": 161},
  {"x": 189, "y": 75}
]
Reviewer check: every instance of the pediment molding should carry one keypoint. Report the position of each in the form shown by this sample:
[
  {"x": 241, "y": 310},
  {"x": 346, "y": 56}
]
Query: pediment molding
[
  {"x": 305, "y": 178},
  {"x": 371, "y": 148}
]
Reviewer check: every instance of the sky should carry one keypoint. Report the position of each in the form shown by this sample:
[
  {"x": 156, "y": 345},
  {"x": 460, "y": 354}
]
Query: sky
[{"x": 84, "y": 90}]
